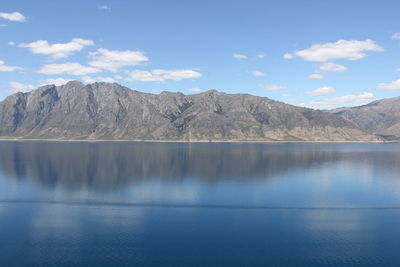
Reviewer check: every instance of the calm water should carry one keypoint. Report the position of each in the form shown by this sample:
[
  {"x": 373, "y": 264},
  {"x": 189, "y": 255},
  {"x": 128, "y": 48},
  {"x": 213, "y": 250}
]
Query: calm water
[{"x": 157, "y": 204}]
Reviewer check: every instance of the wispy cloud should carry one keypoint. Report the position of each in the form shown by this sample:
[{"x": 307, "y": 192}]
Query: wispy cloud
[
  {"x": 112, "y": 60},
  {"x": 4, "y": 67},
  {"x": 160, "y": 75},
  {"x": 342, "y": 49},
  {"x": 58, "y": 50},
  {"x": 324, "y": 90},
  {"x": 345, "y": 100},
  {"x": 239, "y": 56},
  {"x": 272, "y": 87},
  {"x": 20, "y": 87},
  {"x": 395, "y": 85},
  {"x": 104, "y": 7},
  {"x": 316, "y": 76},
  {"x": 70, "y": 68},
  {"x": 56, "y": 81},
  {"x": 257, "y": 73},
  {"x": 332, "y": 67},
  {"x": 287, "y": 56},
  {"x": 14, "y": 16},
  {"x": 396, "y": 36},
  {"x": 88, "y": 79}
]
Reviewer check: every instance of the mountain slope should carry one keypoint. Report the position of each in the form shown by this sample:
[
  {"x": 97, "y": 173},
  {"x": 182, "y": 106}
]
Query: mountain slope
[
  {"x": 111, "y": 111},
  {"x": 381, "y": 117}
]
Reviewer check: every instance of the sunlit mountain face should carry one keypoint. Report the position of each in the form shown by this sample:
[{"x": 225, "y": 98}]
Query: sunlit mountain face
[{"x": 104, "y": 111}]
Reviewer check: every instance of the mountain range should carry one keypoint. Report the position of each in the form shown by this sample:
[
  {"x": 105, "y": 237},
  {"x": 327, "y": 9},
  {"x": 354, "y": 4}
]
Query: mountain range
[{"x": 105, "y": 111}]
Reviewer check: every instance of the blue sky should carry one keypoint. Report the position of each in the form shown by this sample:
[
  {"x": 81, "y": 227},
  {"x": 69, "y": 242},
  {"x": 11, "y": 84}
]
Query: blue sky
[{"x": 320, "y": 54}]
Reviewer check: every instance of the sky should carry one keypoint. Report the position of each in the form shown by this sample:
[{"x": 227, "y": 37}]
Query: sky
[{"x": 318, "y": 54}]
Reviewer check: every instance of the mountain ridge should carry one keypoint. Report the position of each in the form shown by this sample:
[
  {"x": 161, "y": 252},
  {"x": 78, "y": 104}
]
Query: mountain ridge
[
  {"x": 105, "y": 111},
  {"x": 380, "y": 117}
]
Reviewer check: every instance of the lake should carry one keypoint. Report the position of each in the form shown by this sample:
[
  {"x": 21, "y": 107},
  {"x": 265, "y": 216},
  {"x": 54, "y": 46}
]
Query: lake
[{"x": 199, "y": 204}]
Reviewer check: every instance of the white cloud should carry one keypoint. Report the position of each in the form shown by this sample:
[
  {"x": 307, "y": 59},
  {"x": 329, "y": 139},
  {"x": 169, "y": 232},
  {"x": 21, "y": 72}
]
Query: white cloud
[
  {"x": 67, "y": 68},
  {"x": 239, "y": 56},
  {"x": 3, "y": 25},
  {"x": 396, "y": 35},
  {"x": 288, "y": 56},
  {"x": 20, "y": 87},
  {"x": 260, "y": 56},
  {"x": 88, "y": 79},
  {"x": 4, "y": 67},
  {"x": 177, "y": 75},
  {"x": 56, "y": 81},
  {"x": 272, "y": 87},
  {"x": 398, "y": 70},
  {"x": 324, "y": 90},
  {"x": 159, "y": 75},
  {"x": 342, "y": 49},
  {"x": 112, "y": 60},
  {"x": 316, "y": 76},
  {"x": 11, "y": 43},
  {"x": 286, "y": 95},
  {"x": 345, "y": 100},
  {"x": 395, "y": 85},
  {"x": 332, "y": 67},
  {"x": 61, "y": 50},
  {"x": 195, "y": 90},
  {"x": 14, "y": 16},
  {"x": 143, "y": 76},
  {"x": 104, "y": 7},
  {"x": 257, "y": 73}
]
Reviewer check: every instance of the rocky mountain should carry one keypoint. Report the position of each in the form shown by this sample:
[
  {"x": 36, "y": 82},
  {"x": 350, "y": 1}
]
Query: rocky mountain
[
  {"x": 111, "y": 111},
  {"x": 381, "y": 117}
]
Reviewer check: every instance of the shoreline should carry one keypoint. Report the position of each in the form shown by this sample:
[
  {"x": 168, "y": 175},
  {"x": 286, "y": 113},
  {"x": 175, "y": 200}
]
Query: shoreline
[{"x": 191, "y": 141}]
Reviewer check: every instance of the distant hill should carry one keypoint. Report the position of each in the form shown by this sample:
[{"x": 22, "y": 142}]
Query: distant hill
[
  {"x": 111, "y": 111},
  {"x": 381, "y": 117}
]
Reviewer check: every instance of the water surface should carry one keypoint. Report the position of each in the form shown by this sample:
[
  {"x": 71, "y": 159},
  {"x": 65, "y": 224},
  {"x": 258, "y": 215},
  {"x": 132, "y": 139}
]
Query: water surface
[{"x": 178, "y": 204}]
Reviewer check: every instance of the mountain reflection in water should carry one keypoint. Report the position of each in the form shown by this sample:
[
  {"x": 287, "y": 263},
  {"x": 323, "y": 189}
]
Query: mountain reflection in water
[
  {"x": 202, "y": 173},
  {"x": 209, "y": 204},
  {"x": 108, "y": 166}
]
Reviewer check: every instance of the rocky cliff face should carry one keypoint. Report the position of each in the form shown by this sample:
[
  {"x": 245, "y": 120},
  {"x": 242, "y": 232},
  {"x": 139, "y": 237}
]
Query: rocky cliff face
[
  {"x": 381, "y": 117},
  {"x": 111, "y": 111}
]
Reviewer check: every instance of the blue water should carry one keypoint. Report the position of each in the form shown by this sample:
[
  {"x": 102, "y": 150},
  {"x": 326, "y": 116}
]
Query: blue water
[{"x": 177, "y": 204}]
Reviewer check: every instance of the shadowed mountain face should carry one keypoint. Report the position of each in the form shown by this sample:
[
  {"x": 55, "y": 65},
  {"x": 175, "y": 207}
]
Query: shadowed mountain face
[
  {"x": 381, "y": 117},
  {"x": 109, "y": 166},
  {"x": 111, "y": 111}
]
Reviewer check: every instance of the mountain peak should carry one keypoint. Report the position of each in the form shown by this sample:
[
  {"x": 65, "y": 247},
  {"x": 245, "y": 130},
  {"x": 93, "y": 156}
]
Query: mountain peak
[
  {"x": 74, "y": 83},
  {"x": 212, "y": 91}
]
